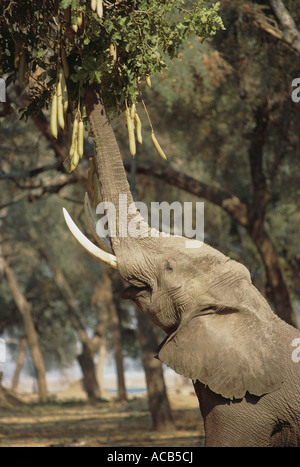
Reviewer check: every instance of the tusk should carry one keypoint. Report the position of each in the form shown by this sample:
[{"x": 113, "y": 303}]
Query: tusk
[
  {"x": 102, "y": 240},
  {"x": 96, "y": 252}
]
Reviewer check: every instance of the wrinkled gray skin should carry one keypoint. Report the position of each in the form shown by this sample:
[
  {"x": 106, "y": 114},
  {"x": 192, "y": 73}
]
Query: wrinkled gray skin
[
  {"x": 223, "y": 335},
  {"x": 220, "y": 331}
]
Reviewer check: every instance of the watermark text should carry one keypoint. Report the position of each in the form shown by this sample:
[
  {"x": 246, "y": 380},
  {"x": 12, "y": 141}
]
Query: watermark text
[
  {"x": 180, "y": 219},
  {"x": 296, "y": 92},
  {"x": 296, "y": 352},
  {"x": 2, "y": 90}
]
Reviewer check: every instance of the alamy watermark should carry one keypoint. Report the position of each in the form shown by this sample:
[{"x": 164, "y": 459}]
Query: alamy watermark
[
  {"x": 296, "y": 92},
  {"x": 296, "y": 352},
  {"x": 2, "y": 351},
  {"x": 182, "y": 219},
  {"x": 2, "y": 90}
]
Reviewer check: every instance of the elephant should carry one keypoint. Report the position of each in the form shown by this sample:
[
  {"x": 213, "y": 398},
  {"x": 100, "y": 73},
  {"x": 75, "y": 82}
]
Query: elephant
[{"x": 220, "y": 331}]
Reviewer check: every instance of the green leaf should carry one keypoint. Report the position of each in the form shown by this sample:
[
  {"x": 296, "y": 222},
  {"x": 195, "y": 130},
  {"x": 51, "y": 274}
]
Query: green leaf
[{"x": 65, "y": 4}]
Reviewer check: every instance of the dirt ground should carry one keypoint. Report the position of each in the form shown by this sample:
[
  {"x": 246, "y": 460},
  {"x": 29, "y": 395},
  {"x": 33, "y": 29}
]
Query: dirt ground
[{"x": 103, "y": 424}]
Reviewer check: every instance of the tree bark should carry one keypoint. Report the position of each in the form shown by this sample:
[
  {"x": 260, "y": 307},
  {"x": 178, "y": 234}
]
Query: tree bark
[
  {"x": 24, "y": 308},
  {"x": 280, "y": 294},
  {"x": 90, "y": 383},
  {"x": 7, "y": 399},
  {"x": 161, "y": 413},
  {"x": 279, "y": 291},
  {"x": 106, "y": 297},
  {"x": 19, "y": 364},
  {"x": 118, "y": 350},
  {"x": 289, "y": 29},
  {"x": 102, "y": 354}
]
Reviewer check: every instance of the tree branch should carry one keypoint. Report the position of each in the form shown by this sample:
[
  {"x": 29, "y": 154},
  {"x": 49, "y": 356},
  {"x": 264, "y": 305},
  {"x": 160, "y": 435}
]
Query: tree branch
[
  {"x": 289, "y": 29},
  {"x": 31, "y": 172},
  {"x": 32, "y": 192},
  {"x": 227, "y": 201}
]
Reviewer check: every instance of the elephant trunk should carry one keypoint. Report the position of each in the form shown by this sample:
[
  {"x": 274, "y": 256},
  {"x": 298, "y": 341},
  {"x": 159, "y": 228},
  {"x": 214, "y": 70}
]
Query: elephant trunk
[
  {"x": 114, "y": 186},
  {"x": 108, "y": 162}
]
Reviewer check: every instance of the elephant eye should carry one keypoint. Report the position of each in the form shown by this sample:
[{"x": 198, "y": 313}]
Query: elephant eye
[{"x": 140, "y": 284}]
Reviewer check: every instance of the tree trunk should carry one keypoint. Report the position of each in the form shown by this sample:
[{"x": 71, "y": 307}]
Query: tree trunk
[
  {"x": 161, "y": 414},
  {"x": 90, "y": 383},
  {"x": 279, "y": 290},
  {"x": 118, "y": 350},
  {"x": 102, "y": 354},
  {"x": 7, "y": 399},
  {"x": 19, "y": 364},
  {"x": 24, "y": 308},
  {"x": 107, "y": 297},
  {"x": 290, "y": 32},
  {"x": 257, "y": 211}
]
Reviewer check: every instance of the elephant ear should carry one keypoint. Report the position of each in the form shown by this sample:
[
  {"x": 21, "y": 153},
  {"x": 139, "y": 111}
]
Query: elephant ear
[{"x": 232, "y": 352}]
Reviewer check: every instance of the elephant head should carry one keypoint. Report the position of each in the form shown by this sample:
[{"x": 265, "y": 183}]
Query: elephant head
[{"x": 220, "y": 330}]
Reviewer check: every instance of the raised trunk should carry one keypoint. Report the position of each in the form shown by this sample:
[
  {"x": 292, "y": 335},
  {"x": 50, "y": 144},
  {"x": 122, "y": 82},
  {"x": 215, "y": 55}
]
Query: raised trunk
[
  {"x": 113, "y": 180},
  {"x": 108, "y": 157}
]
